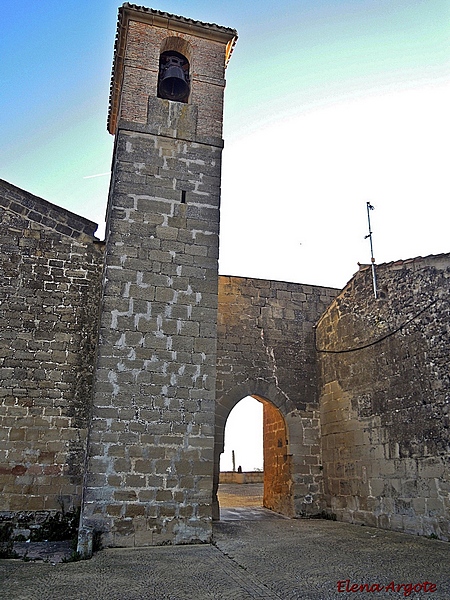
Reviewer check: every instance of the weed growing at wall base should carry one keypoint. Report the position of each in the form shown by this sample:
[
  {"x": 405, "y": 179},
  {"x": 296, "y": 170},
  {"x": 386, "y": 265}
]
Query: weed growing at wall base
[{"x": 405, "y": 588}]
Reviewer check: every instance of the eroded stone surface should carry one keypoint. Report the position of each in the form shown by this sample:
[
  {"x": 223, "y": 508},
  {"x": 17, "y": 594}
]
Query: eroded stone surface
[{"x": 385, "y": 398}]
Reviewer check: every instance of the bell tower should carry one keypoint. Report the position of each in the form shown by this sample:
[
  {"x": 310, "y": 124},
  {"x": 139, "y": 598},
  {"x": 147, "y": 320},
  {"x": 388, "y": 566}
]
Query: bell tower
[{"x": 149, "y": 474}]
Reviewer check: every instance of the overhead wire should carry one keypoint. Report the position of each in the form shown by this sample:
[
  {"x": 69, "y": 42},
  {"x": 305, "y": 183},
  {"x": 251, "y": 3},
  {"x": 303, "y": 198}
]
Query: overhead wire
[{"x": 377, "y": 341}]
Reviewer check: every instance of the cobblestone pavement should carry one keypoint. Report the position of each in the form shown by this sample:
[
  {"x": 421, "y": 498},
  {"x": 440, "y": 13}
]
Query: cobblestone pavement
[{"x": 272, "y": 558}]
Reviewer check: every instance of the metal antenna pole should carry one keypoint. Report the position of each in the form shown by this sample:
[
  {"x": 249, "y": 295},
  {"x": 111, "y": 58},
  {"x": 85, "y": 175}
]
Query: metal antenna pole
[{"x": 374, "y": 275}]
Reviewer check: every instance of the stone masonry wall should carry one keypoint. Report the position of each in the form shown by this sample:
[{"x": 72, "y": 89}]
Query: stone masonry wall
[
  {"x": 150, "y": 474},
  {"x": 385, "y": 398},
  {"x": 277, "y": 463},
  {"x": 50, "y": 272},
  {"x": 266, "y": 349}
]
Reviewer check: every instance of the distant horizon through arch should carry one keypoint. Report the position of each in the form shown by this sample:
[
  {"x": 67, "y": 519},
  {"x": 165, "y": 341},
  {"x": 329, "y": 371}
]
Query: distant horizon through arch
[
  {"x": 277, "y": 492},
  {"x": 244, "y": 436}
]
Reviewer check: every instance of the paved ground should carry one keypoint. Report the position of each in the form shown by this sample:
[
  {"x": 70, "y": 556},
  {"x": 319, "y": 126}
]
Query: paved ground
[
  {"x": 272, "y": 558},
  {"x": 237, "y": 494},
  {"x": 243, "y": 502}
]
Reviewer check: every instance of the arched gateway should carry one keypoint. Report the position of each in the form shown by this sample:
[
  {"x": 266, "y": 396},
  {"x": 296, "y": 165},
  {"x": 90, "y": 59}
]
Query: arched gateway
[
  {"x": 278, "y": 488},
  {"x": 265, "y": 349}
]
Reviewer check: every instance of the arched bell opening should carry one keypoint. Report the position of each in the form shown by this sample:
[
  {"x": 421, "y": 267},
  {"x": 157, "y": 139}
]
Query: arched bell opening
[
  {"x": 277, "y": 493},
  {"x": 173, "y": 77}
]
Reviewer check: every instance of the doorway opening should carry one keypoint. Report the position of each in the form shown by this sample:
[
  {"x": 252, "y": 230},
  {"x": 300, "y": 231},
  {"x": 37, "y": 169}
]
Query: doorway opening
[
  {"x": 241, "y": 480},
  {"x": 255, "y": 464}
]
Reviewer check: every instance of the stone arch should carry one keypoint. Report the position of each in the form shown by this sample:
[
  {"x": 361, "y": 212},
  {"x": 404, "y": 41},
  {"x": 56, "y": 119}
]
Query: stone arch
[
  {"x": 278, "y": 481},
  {"x": 299, "y": 489},
  {"x": 259, "y": 388},
  {"x": 176, "y": 44},
  {"x": 265, "y": 348}
]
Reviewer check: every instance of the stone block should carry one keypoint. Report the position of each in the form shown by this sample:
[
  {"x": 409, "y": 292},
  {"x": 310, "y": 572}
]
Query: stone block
[
  {"x": 125, "y": 496},
  {"x": 144, "y": 538}
]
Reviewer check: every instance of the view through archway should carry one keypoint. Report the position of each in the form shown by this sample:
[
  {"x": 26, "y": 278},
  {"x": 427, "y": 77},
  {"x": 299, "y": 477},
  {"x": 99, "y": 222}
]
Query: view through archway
[
  {"x": 244, "y": 437},
  {"x": 241, "y": 481},
  {"x": 255, "y": 466}
]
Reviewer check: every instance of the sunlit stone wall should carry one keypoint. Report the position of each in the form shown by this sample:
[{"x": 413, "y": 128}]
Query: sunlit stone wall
[{"x": 385, "y": 398}]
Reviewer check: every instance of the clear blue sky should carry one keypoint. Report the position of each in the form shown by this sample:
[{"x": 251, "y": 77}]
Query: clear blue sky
[{"x": 329, "y": 103}]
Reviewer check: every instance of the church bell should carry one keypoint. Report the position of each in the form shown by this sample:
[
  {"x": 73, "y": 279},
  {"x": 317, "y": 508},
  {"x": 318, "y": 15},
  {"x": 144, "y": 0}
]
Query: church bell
[{"x": 174, "y": 78}]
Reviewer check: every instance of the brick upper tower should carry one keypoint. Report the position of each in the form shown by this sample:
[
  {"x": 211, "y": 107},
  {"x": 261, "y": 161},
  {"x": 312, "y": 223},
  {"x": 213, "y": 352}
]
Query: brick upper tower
[{"x": 150, "y": 461}]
